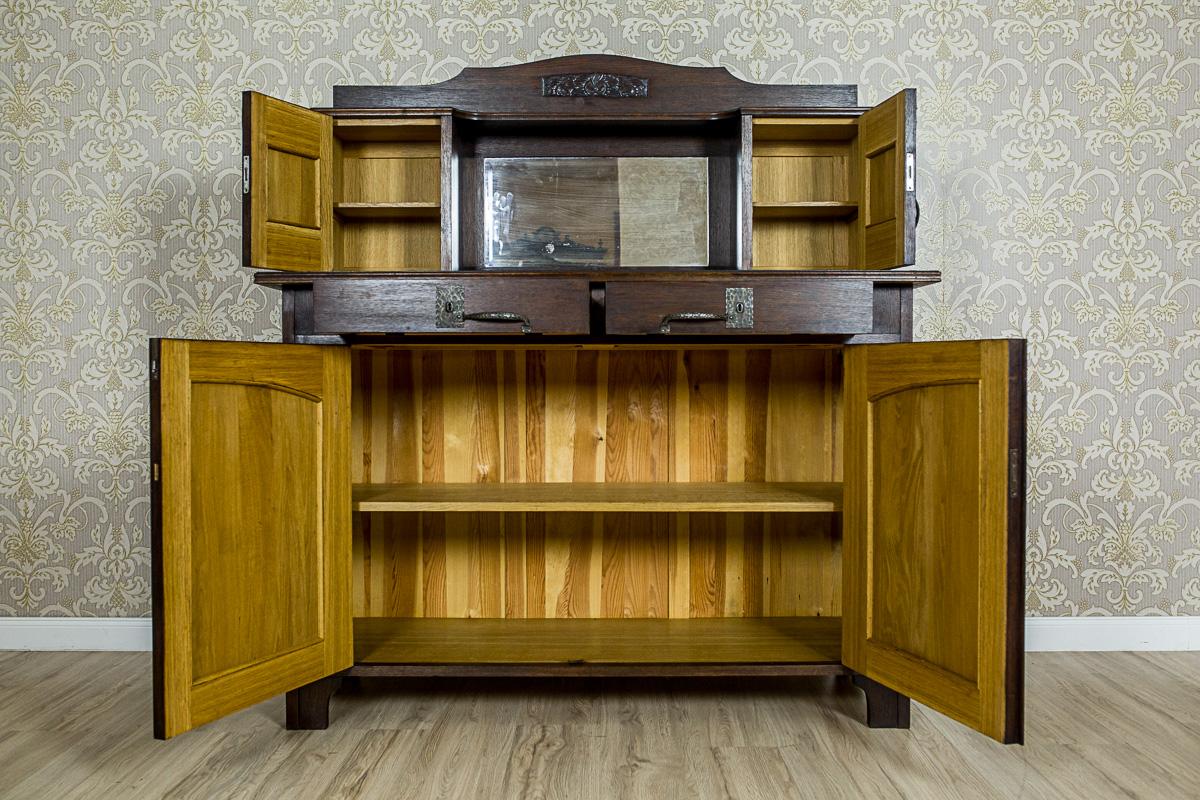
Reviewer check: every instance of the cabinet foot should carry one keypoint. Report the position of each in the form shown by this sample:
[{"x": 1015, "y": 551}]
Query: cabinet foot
[
  {"x": 308, "y": 706},
  {"x": 886, "y": 708}
]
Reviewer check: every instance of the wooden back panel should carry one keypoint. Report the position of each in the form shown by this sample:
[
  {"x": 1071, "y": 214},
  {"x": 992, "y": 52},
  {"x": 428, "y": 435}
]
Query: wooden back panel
[{"x": 512, "y": 415}]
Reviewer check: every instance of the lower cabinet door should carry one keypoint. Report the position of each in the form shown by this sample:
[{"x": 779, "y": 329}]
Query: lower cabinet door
[
  {"x": 934, "y": 521},
  {"x": 251, "y": 524}
]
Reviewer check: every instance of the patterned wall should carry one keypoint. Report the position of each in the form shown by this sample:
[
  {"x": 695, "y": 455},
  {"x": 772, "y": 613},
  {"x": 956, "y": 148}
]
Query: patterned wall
[{"x": 1059, "y": 174}]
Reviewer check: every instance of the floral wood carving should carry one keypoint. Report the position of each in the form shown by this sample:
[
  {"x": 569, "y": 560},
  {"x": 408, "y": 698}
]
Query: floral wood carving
[{"x": 594, "y": 84}]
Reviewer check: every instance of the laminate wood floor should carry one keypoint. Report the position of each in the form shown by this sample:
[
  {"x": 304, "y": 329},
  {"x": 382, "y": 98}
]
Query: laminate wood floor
[{"x": 1099, "y": 725}]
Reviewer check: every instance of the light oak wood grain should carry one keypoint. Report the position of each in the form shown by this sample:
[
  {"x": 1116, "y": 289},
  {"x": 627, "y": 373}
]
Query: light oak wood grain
[
  {"x": 881, "y": 148},
  {"x": 291, "y": 186},
  {"x": 527, "y": 416},
  {"x": 644, "y": 497},
  {"x": 780, "y": 640},
  {"x": 926, "y": 527},
  {"x": 254, "y": 437},
  {"x": 75, "y": 726}
]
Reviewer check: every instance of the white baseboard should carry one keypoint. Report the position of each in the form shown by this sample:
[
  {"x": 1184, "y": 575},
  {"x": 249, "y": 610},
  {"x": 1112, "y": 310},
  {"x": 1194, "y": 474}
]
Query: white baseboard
[
  {"x": 1042, "y": 634},
  {"x": 75, "y": 633},
  {"x": 1050, "y": 634}
]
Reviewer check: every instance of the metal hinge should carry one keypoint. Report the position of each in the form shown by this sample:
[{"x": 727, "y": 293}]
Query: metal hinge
[
  {"x": 154, "y": 472},
  {"x": 1014, "y": 473},
  {"x": 910, "y": 172},
  {"x": 154, "y": 369},
  {"x": 245, "y": 174}
]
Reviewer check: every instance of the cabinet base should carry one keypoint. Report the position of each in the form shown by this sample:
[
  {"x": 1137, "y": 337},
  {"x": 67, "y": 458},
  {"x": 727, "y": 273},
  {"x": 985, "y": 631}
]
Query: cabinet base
[
  {"x": 886, "y": 708},
  {"x": 308, "y": 706}
]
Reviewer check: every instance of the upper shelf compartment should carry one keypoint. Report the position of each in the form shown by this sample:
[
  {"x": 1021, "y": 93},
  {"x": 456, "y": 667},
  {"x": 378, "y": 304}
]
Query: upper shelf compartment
[
  {"x": 834, "y": 191},
  {"x": 387, "y": 175}
]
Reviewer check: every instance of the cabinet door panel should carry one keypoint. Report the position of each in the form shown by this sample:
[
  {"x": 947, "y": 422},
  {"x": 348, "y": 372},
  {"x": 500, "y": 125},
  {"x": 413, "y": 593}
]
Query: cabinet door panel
[
  {"x": 887, "y": 220},
  {"x": 287, "y": 211},
  {"x": 251, "y": 524},
  {"x": 934, "y": 525}
]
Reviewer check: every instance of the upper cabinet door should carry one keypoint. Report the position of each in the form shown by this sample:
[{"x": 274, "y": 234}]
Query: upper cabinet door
[
  {"x": 934, "y": 522},
  {"x": 887, "y": 218},
  {"x": 287, "y": 182},
  {"x": 251, "y": 533}
]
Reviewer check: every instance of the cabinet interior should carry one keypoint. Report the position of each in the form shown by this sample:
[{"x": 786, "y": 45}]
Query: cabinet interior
[
  {"x": 740, "y": 428},
  {"x": 387, "y": 194},
  {"x": 804, "y": 193}
]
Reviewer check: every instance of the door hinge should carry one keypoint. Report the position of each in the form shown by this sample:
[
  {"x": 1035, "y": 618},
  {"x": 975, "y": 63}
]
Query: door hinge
[
  {"x": 1015, "y": 466},
  {"x": 154, "y": 369},
  {"x": 245, "y": 174},
  {"x": 154, "y": 476},
  {"x": 910, "y": 172}
]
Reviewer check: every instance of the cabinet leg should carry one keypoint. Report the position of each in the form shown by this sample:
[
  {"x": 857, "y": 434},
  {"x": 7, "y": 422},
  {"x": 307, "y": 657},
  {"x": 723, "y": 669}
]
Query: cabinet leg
[
  {"x": 886, "y": 708},
  {"x": 308, "y": 706}
]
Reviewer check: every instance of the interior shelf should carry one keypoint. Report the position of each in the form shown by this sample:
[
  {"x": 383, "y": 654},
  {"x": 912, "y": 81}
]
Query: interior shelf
[
  {"x": 808, "y": 128},
  {"x": 667, "y": 497},
  {"x": 387, "y": 129},
  {"x": 806, "y": 209},
  {"x": 732, "y": 640},
  {"x": 410, "y": 210}
]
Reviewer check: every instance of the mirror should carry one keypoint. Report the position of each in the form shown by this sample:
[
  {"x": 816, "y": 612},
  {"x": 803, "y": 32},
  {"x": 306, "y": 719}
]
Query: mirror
[{"x": 596, "y": 213}]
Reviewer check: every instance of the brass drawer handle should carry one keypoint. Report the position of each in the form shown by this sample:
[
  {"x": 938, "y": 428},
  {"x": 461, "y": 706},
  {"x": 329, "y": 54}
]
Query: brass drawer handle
[
  {"x": 689, "y": 316},
  {"x": 500, "y": 316}
]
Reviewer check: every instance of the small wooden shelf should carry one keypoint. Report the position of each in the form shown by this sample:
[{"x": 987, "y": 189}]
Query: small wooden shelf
[
  {"x": 806, "y": 209},
  {"x": 415, "y": 210},
  {"x": 387, "y": 129},
  {"x": 577, "y": 642},
  {"x": 805, "y": 128},
  {"x": 665, "y": 497}
]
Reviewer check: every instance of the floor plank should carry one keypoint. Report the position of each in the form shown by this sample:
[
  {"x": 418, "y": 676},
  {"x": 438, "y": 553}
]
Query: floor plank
[{"x": 1099, "y": 725}]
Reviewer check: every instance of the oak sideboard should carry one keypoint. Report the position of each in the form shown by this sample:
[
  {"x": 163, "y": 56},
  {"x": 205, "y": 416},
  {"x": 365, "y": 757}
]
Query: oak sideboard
[{"x": 590, "y": 367}]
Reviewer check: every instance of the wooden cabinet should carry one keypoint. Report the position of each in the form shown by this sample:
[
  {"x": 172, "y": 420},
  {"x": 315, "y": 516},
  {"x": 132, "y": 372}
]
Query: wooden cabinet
[{"x": 736, "y": 468}]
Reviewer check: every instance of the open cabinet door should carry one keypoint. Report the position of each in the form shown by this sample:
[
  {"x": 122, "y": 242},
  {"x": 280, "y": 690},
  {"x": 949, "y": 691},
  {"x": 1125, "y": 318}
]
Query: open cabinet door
[
  {"x": 251, "y": 524},
  {"x": 887, "y": 146},
  {"x": 934, "y": 519},
  {"x": 287, "y": 185}
]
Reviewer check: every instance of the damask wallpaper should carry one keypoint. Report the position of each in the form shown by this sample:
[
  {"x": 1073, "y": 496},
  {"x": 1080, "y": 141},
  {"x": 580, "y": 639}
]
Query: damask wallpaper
[{"x": 1059, "y": 175}]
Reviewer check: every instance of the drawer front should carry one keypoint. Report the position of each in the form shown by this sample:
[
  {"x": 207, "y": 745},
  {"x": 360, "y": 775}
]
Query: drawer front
[
  {"x": 740, "y": 305},
  {"x": 549, "y": 305}
]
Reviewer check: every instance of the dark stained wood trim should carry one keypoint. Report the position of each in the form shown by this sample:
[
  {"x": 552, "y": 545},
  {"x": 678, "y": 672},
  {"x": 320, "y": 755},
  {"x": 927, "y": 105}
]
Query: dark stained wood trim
[
  {"x": 782, "y": 306},
  {"x": 886, "y": 708},
  {"x": 906, "y": 313},
  {"x": 793, "y": 307},
  {"x": 307, "y": 708},
  {"x": 287, "y": 327},
  {"x": 517, "y": 89},
  {"x": 551, "y": 305},
  {"x": 594, "y": 670},
  {"x": 879, "y": 277},
  {"x": 156, "y": 542},
  {"x": 1014, "y": 691}
]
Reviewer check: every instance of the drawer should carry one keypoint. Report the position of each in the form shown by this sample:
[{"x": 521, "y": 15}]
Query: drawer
[
  {"x": 739, "y": 304},
  {"x": 548, "y": 305}
]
